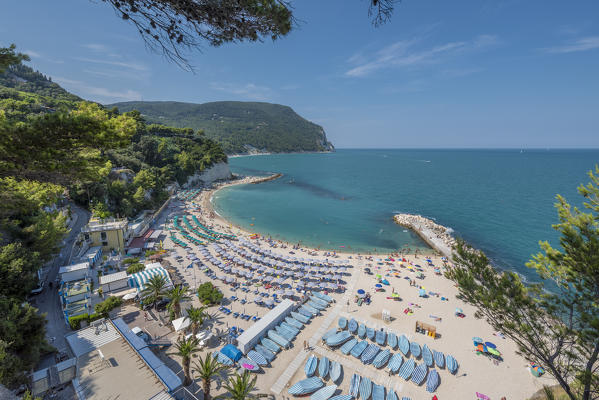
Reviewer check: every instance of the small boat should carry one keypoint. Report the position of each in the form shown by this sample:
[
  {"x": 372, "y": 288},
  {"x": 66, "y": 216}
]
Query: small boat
[
  {"x": 359, "y": 349},
  {"x": 407, "y": 368},
  {"x": 290, "y": 328},
  {"x": 391, "y": 394},
  {"x": 405, "y": 398},
  {"x": 310, "y": 309},
  {"x": 306, "y": 386},
  {"x": 365, "y": 388},
  {"x": 338, "y": 339},
  {"x": 452, "y": 364},
  {"x": 378, "y": 392},
  {"x": 329, "y": 333},
  {"x": 381, "y": 359},
  {"x": 370, "y": 353},
  {"x": 301, "y": 317},
  {"x": 270, "y": 345},
  {"x": 352, "y": 326},
  {"x": 404, "y": 344},
  {"x": 287, "y": 335},
  {"x": 323, "y": 368},
  {"x": 381, "y": 337},
  {"x": 315, "y": 305},
  {"x": 395, "y": 363},
  {"x": 323, "y": 296},
  {"x": 432, "y": 382},
  {"x": 278, "y": 339},
  {"x": 310, "y": 367},
  {"x": 354, "y": 385},
  {"x": 415, "y": 349},
  {"x": 248, "y": 364},
  {"x": 342, "y": 397},
  {"x": 419, "y": 374},
  {"x": 269, "y": 355},
  {"x": 439, "y": 359},
  {"x": 362, "y": 331},
  {"x": 325, "y": 393},
  {"x": 342, "y": 322},
  {"x": 392, "y": 340},
  {"x": 294, "y": 322},
  {"x": 348, "y": 346},
  {"x": 304, "y": 312},
  {"x": 223, "y": 359},
  {"x": 370, "y": 333},
  {"x": 335, "y": 372},
  {"x": 257, "y": 358},
  {"x": 319, "y": 301},
  {"x": 427, "y": 356}
]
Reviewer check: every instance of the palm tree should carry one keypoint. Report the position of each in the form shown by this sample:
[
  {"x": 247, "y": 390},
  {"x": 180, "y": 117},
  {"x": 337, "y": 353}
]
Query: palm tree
[
  {"x": 208, "y": 368},
  {"x": 155, "y": 289},
  {"x": 177, "y": 295},
  {"x": 185, "y": 348},
  {"x": 196, "y": 317},
  {"x": 239, "y": 387}
]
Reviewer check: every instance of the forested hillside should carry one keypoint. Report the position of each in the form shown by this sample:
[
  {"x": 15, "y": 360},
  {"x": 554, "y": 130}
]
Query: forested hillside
[
  {"x": 240, "y": 127},
  {"x": 52, "y": 145}
]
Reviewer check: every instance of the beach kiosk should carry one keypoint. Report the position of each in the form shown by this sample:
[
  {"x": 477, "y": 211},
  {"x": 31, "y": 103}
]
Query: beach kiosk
[{"x": 427, "y": 329}]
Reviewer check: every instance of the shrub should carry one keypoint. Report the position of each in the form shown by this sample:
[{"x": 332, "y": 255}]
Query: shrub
[
  {"x": 107, "y": 305},
  {"x": 151, "y": 252},
  {"x": 133, "y": 268},
  {"x": 131, "y": 260},
  {"x": 209, "y": 294},
  {"x": 75, "y": 322}
]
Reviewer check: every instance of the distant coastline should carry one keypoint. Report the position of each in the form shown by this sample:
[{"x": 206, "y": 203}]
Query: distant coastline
[{"x": 270, "y": 154}]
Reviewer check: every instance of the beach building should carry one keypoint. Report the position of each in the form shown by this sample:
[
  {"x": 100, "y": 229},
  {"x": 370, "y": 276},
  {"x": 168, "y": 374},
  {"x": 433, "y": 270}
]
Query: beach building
[
  {"x": 114, "y": 282},
  {"x": 75, "y": 298},
  {"x": 53, "y": 377},
  {"x": 139, "y": 279},
  {"x": 74, "y": 272},
  {"x": 93, "y": 255},
  {"x": 112, "y": 362},
  {"x": 110, "y": 234},
  {"x": 248, "y": 339}
]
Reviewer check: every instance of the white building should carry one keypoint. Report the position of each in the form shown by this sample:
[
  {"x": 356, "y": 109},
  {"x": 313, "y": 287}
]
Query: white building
[
  {"x": 113, "y": 282},
  {"x": 75, "y": 272}
]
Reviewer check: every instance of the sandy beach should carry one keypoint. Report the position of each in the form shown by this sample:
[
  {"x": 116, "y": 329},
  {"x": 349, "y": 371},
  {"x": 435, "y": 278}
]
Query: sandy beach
[{"x": 407, "y": 276}]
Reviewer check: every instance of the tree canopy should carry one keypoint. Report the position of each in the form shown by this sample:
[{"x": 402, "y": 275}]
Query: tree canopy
[
  {"x": 555, "y": 323},
  {"x": 173, "y": 27}
]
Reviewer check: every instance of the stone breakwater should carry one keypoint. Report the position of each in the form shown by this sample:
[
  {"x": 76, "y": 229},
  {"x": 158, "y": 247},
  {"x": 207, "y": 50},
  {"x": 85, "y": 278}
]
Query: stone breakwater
[{"x": 437, "y": 236}]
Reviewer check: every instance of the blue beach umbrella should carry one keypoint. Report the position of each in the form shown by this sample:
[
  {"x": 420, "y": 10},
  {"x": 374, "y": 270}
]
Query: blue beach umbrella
[{"x": 361, "y": 291}]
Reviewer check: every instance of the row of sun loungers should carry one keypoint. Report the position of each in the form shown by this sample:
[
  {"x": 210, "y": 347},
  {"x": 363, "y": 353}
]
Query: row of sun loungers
[{"x": 210, "y": 231}]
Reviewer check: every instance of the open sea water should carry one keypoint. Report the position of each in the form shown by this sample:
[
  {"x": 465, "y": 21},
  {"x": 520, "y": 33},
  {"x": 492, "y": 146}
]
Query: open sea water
[{"x": 500, "y": 201}]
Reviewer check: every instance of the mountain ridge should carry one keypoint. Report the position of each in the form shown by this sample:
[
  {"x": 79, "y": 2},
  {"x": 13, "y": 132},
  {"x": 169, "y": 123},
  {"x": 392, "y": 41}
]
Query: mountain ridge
[{"x": 240, "y": 127}]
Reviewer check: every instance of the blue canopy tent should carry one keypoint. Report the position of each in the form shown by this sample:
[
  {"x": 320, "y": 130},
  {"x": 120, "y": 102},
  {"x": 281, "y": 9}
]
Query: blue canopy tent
[{"x": 232, "y": 352}]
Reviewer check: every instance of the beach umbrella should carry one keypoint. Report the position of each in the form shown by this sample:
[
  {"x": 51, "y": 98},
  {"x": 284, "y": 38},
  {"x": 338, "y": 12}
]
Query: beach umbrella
[
  {"x": 361, "y": 291},
  {"x": 490, "y": 345},
  {"x": 257, "y": 299},
  {"x": 280, "y": 292},
  {"x": 477, "y": 340},
  {"x": 378, "y": 285},
  {"x": 323, "y": 285},
  {"x": 269, "y": 302},
  {"x": 289, "y": 292}
]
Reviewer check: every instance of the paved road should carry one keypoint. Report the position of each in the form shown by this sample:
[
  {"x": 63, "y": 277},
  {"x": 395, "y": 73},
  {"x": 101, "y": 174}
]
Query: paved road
[{"x": 47, "y": 301}]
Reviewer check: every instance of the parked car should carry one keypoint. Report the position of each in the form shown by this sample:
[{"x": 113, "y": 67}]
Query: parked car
[{"x": 138, "y": 332}]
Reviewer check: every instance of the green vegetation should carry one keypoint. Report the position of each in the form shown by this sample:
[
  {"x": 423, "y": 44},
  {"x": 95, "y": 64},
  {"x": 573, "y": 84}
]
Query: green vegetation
[
  {"x": 176, "y": 295},
  {"x": 185, "y": 348},
  {"x": 108, "y": 305},
  {"x": 131, "y": 260},
  {"x": 240, "y": 386},
  {"x": 134, "y": 268},
  {"x": 557, "y": 327},
  {"x": 75, "y": 322},
  {"x": 155, "y": 290},
  {"x": 208, "y": 368},
  {"x": 209, "y": 294},
  {"x": 196, "y": 316},
  {"x": 235, "y": 125}
]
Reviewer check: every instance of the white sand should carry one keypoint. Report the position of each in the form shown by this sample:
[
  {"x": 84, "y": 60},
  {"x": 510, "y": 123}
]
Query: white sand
[{"x": 509, "y": 378}]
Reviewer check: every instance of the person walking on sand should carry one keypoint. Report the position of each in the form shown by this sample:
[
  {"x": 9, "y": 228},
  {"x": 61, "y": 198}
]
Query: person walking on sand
[{"x": 305, "y": 345}]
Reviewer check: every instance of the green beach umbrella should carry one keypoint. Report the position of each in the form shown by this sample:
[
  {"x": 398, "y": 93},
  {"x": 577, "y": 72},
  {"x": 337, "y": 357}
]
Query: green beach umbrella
[{"x": 493, "y": 351}]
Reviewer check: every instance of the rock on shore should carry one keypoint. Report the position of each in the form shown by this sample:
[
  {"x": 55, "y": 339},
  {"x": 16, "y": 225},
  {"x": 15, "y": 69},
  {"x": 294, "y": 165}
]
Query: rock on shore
[{"x": 437, "y": 236}]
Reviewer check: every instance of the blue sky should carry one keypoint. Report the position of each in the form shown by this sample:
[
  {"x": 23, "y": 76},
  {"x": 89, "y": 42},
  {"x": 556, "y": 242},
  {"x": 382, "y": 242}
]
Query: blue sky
[{"x": 471, "y": 73}]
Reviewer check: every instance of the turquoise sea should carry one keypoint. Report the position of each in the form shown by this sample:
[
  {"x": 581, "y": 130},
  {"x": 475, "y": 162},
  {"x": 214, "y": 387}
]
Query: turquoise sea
[{"x": 501, "y": 201}]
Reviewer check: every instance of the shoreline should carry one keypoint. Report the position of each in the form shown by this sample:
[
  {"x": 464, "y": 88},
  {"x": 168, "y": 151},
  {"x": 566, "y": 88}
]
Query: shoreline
[
  {"x": 206, "y": 199},
  {"x": 435, "y": 235}
]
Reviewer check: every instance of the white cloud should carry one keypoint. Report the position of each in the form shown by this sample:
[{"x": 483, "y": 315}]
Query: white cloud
[
  {"x": 97, "y": 93},
  {"x": 96, "y": 47},
  {"x": 131, "y": 65},
  {"x": 248, "y": 91},
  {"x": 582, "y": 44},
  {"x": 403, "y": 54},
  {"x": 32, "y": 53}
]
